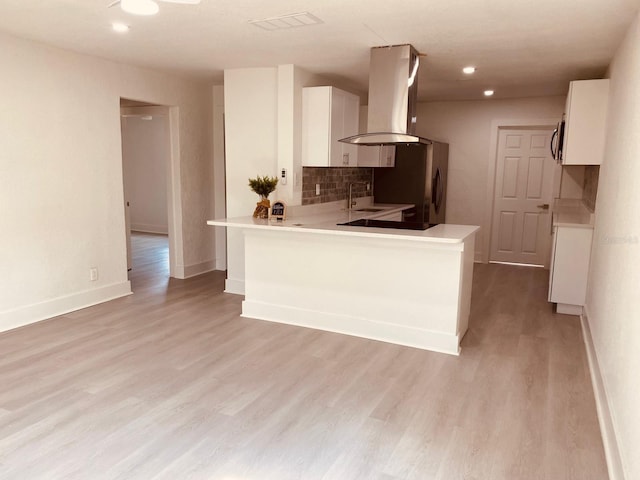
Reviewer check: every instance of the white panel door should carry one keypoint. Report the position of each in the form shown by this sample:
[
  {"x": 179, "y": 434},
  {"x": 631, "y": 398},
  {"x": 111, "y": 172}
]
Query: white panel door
[{"x": 520, "y": 231}]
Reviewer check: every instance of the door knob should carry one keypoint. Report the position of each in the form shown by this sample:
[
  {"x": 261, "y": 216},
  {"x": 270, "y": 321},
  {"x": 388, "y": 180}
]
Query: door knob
[{"x": 544, "y": 206}]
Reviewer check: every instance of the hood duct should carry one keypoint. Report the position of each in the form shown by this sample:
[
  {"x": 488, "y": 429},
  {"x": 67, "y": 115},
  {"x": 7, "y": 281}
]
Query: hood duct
[{"x": 393, "y": 98}]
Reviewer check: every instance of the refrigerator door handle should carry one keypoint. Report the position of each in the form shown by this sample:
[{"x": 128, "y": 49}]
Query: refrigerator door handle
[{"x": 437, "y": 191}]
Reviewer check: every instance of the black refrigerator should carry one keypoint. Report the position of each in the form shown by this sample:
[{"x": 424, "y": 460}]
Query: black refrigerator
[{"x": 419, "y": 177}]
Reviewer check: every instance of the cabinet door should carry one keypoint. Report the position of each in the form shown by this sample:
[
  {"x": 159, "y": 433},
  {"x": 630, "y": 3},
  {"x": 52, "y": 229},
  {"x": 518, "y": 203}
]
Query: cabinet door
[
  {"x": 350, "y": 127},
  {"x": 368, "y": 156},
  {"x": 377, "y": 156},
  {"x": 316, "y": 125},
  {"x": 337, "y": 128},
  {"x": 553, "y": 259},
  {"x": 394, "y": 217},
  {"x": 387, "y": 156},
  {"x": 571, "y": 254},
  {"x": 328, "y": 114},
  {"x": 586, "y": 116}
]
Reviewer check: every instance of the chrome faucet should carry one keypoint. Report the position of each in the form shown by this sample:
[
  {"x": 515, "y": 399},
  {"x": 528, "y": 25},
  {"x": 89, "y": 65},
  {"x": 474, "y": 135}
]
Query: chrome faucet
[{"x": 350, "y": 201}]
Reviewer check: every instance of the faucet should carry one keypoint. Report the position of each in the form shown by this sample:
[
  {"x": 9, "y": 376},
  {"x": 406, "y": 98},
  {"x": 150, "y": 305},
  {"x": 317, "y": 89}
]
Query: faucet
[{"x": 350, "y": 202}]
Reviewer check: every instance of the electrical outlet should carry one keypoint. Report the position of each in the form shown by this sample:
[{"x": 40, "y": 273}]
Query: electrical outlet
[
  {"x": 317, "y": 189},
  {"x": 93, "y": 274},
  {"x": 368, "y": 187}
]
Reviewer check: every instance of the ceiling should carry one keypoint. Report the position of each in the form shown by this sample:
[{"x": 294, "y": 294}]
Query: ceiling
[{"x": 521, "y": 48}]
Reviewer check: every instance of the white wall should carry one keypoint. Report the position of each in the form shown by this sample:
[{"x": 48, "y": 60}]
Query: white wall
[
  {"x": 291, "y": 81},
  {"x": 613, "y": 300},
  {"x": 219, "y": 203},
  {"x": 251, "y": 144},
  {"x": 470, "y": 129},
  {"x": 263, "y": 134},
  {"x": 61, "y": 190},
  {"x": 145, "y": 156}
]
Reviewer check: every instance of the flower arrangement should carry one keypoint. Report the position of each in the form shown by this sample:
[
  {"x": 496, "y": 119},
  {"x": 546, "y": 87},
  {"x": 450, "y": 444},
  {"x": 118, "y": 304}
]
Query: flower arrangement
[{"x": 263, "y": 186}]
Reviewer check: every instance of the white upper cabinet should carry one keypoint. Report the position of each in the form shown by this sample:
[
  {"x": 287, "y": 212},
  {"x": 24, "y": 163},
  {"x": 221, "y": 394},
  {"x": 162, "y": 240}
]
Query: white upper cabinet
[
  {"x": 585, "y": 122},
  {"x": 329, "y": 114},
  {"x": 377, "y": 156},
  {"x": 374, "y": 156}
]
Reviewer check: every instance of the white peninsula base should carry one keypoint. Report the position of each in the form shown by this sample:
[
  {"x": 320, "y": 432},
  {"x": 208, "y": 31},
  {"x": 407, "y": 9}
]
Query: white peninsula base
[{"x": 408, "y": 290}]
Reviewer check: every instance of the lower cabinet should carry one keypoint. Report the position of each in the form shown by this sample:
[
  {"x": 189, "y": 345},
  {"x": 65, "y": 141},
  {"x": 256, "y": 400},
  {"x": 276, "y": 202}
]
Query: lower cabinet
[
  {"x": 394, "y": 217},
  {"x": 570, "y": 268}
]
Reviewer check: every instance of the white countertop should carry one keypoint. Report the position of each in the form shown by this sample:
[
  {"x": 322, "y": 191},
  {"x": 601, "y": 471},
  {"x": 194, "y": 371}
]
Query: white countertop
[
  {"x": 326, "y": 223},
  {"x": 572, "y": 213}
]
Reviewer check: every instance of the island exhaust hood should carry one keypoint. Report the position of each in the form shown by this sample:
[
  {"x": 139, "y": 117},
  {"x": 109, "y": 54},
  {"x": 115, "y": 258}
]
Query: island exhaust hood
[{"x": 393, "y": 97}]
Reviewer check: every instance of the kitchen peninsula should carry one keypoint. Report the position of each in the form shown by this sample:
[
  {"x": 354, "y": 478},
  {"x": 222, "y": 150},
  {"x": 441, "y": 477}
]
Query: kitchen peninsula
[{"x": 410, "y": 287}]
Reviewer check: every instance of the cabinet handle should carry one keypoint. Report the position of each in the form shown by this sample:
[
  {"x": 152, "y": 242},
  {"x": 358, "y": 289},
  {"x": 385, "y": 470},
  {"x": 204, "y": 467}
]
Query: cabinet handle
[{"x": 553, "y": 137}]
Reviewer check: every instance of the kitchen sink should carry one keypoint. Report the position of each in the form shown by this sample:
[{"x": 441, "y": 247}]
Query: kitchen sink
[
  {"x": 369, "y": 209},
  {"x": 373, "y": 223}
]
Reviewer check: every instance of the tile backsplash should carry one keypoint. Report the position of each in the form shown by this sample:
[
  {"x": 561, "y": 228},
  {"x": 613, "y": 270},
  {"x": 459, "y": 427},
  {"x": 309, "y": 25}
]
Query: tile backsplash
[
  {"x": 590, "y": 188},
  {"x": 334, "y": 183}
]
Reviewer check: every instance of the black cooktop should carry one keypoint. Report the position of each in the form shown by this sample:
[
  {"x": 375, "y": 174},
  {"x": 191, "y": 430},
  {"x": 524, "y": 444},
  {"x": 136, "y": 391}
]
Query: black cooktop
[{"x": 372, "y": 222}]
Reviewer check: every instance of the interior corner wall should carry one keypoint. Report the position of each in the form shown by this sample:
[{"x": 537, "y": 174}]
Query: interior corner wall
[
  {"x": 467, "y": 127},
  {"x": 219, "y": 203},
  {"x": 263, "y": 134},
  {"x": 613, "y": 303},
  {"x": 251, "y": 149},
  {"x": 61, "y": 185}
]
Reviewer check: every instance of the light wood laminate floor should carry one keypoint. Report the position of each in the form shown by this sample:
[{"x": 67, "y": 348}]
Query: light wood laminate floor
[{"x": 170, "y": 383}]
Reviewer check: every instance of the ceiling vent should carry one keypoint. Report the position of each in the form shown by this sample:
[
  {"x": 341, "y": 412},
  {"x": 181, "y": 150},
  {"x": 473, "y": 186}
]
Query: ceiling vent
[{"x": 304, "y": 19}]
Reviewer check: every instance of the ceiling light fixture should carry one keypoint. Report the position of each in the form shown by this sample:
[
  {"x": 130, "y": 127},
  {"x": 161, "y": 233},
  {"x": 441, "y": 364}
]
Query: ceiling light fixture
[
  {"x": 139, "y": 7},
  {"x": 120, "y": 27},
  {"x": 468, "y": 70},
  {"x": 488, "y": 93}
]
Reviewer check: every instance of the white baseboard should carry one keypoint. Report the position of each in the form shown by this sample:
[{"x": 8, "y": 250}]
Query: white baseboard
[
  {"x": 199, "y": 268},
  {"x": 568, "y": 309},
  {"x": 355, "y": 326},
  {"x": 234, "y": 286},
  {"x": 221, "y": 264},
  {"x": 611, "y": 451},
  {"x": 58, "y": 306},
  {"x": 147, "y": 228},
  {"x": 188, "y": 271}
]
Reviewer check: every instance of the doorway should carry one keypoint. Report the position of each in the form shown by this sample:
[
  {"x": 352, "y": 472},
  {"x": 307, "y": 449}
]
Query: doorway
[
  {"x": 523, "y": 193},
  {"x": 146, "y": 160}
]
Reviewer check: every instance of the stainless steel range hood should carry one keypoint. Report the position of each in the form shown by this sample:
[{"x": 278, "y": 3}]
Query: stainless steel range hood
[{"x": 393, "y": 96}]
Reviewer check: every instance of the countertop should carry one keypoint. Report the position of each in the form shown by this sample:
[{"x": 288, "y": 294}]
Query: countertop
[
  {"x": 326, "y": 223},
  {"x": 571, "y": 213}
]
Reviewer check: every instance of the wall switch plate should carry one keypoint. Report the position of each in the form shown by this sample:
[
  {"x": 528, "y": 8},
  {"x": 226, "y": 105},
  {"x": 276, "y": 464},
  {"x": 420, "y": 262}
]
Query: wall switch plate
[
  {"x": 283, "y": 176},
  {"x": 93, "y": 274},
  {"x": 317, "y": 189}
]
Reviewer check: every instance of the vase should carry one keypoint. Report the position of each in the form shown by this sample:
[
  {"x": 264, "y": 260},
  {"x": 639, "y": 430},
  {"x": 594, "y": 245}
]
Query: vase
[{"x": 262, "y": 209}]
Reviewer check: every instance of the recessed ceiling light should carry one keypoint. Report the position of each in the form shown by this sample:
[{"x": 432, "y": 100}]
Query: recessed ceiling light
[
  {"x": 120, "y": 27},
  {"x": 488, "y": 93},
  {"x": 139, "y": 7},
  {"x": 468, "y": 70}
]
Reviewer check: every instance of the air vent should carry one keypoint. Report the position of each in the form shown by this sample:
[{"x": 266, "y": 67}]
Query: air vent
[{"x": 293, "y": 20}]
